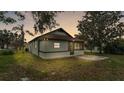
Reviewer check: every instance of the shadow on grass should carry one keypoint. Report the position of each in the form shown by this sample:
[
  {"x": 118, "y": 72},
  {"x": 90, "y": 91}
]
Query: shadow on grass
[
  {"x": 11, "y": 71},
  {"x": 17, "y": 66}
]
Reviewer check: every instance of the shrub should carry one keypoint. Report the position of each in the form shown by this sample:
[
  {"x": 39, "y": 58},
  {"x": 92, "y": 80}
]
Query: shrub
[
  {"x": 26, "y": 49},
  {"x": 6, "y": 52},
  {"x": 114, "y": 48}
]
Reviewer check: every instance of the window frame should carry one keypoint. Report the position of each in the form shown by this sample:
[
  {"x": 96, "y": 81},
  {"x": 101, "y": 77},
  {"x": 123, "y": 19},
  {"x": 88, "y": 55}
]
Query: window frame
[{"x": 56, "y": 45}]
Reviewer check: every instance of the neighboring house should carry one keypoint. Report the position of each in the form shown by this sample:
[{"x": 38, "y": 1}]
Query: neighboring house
[{"x": 56, "y": 44}]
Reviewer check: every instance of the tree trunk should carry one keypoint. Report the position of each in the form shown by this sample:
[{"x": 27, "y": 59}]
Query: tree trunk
[
  {"x": 100, "y": 49},
  {"x": 23, "y": 33},
  {"x": 7, "y": 46},
  {"x": 2, "y": 45}
]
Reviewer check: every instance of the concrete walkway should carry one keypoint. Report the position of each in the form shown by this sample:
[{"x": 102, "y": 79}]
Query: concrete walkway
[{"x": 93, "y": 57}]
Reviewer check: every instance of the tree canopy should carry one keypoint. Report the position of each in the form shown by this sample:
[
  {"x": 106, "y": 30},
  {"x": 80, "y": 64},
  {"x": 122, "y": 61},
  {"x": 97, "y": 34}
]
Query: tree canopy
[
  {"x": 101, "y": 27},
  {"x": 44, "y": 20},
  {"x": 5, "y": 19},
  {"x": 9, "y": 39}
]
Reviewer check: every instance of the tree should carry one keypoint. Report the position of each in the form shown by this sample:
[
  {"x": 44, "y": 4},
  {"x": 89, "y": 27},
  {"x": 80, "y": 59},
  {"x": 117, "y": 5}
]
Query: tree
[
  {"x": 20, "y": 28},
  {"x": 21, "y": 34},
  {"x": 44, "y": 20},
  {"x": 8, "y": 38},
  {"x": 101, "y": 27},
  {"x": 5, "y": 19},
  {"x": 116, "y": 47},
  {"x": 4, "y": 38},
  {"x": 8, "y": 19}
]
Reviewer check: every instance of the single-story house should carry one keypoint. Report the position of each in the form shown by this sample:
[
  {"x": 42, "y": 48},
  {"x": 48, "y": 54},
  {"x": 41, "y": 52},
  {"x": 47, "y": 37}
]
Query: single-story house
[{"x": 56, "y": 44}]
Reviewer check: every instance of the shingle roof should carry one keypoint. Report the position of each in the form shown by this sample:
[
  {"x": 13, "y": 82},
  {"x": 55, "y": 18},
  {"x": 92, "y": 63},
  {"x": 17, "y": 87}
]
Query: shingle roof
[{"x": 48, "y": 35}]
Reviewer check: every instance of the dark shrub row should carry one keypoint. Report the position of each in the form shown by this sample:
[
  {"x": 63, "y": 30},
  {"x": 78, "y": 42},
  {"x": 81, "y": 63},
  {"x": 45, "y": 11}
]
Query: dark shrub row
[
  {"x": 114, "y": 48},
  {"x": 6, "y": 52}
]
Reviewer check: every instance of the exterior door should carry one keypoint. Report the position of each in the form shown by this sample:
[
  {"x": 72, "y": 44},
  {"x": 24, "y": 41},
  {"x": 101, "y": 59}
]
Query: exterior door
[{"x": 71, "y": 48}]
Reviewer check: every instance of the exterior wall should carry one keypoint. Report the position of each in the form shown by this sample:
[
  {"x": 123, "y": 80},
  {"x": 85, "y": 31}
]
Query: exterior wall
[
  {"x": 78, "y": 52},
  {"x": 60, "y": 54},
  {"x": 42, "y": 45},
  {"x": 48, "y": 46},
  {"x": 33, "y": 47},
  {"x": 47, "y": 50},
  {"x": 29, "y": 47},
  {"x": 54, "y": 55}
]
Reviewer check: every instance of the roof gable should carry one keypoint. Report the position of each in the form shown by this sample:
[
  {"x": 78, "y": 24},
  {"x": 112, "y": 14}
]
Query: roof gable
[{"x": 59, "y": 33}]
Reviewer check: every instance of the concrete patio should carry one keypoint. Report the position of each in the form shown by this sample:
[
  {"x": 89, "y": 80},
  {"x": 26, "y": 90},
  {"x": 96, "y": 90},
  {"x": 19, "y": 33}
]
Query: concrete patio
[{"x": 92, "y": 57}]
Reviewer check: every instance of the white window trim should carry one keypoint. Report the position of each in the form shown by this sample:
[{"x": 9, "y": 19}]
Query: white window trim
[{"x": 56, "y": 45}]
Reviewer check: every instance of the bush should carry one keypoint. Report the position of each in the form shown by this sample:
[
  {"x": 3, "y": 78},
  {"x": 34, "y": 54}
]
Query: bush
[
  {"x": 26, "y": 49},
  {"x": 6, "y": 52},
  {"x": 114, "y": 48}
]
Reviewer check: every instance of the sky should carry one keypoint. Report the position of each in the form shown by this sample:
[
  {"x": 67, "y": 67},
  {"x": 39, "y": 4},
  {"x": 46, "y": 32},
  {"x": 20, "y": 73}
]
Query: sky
[{"x": 67, "y": 20}]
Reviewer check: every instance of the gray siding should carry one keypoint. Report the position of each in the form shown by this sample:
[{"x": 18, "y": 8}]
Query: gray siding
[
  {"x": 42, "y": 45},
  {"x": 78, "y": 52},
  {"x": 48, "y": 46},
  {"x": 60, "y": 54},
  {"x": 54, "y": 55},
  {"x": 33, "y": 47}
]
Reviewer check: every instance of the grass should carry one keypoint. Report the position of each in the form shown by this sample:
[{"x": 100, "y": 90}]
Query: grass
[{"x": 22, "y": 64}]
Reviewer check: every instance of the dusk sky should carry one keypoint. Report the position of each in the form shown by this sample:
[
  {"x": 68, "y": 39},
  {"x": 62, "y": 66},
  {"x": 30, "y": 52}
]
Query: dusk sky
[{"x": 66, "y": 20}]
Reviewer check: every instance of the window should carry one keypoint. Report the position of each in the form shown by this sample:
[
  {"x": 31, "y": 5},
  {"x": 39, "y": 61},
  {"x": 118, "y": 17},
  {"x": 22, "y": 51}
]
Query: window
[
  {"x": 78, "y": 46},
  {"x": 56, "y": 45}
]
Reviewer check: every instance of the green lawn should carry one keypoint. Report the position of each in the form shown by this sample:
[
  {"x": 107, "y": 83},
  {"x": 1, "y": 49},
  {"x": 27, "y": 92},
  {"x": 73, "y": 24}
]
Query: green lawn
[{"x": 19, "y": 65}]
